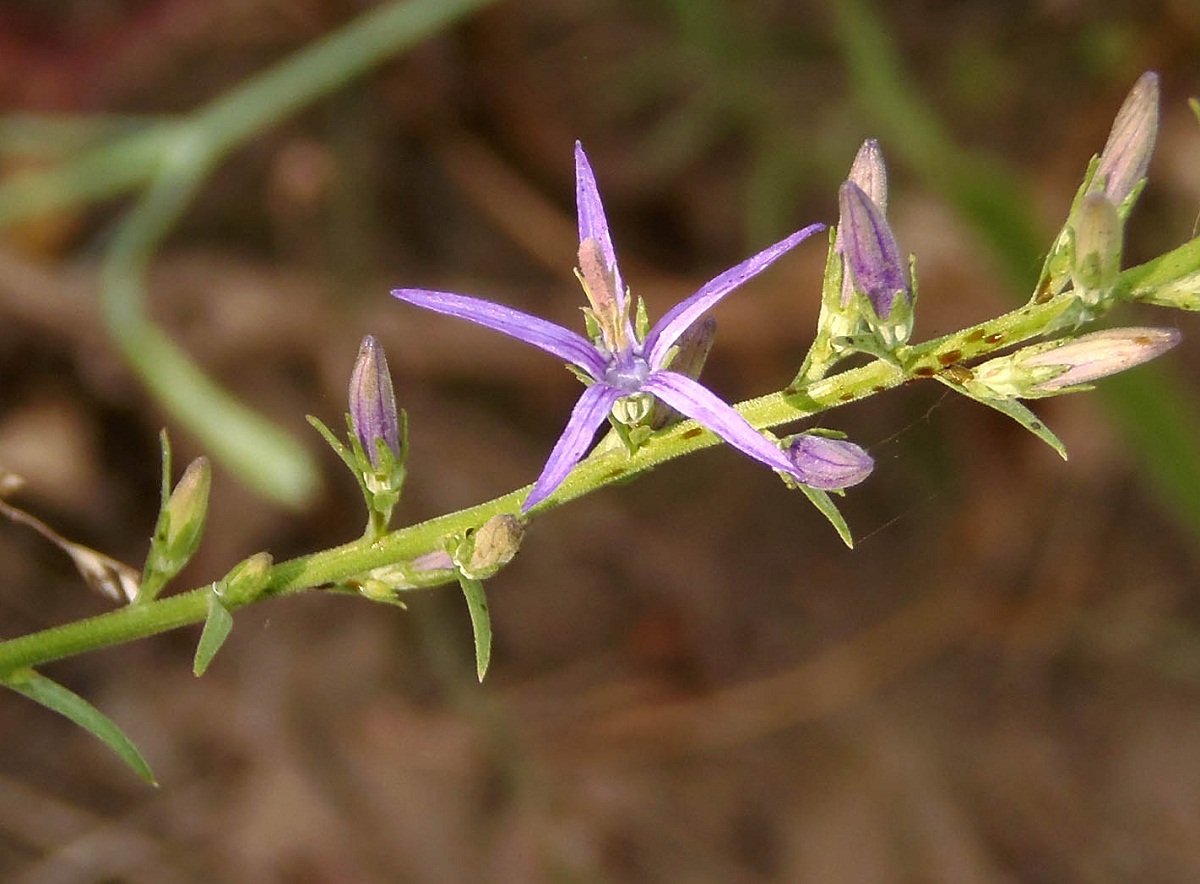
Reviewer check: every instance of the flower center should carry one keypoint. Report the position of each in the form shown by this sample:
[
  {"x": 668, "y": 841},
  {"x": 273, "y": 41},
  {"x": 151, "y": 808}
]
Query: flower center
[{"x": 627, "y": 372}]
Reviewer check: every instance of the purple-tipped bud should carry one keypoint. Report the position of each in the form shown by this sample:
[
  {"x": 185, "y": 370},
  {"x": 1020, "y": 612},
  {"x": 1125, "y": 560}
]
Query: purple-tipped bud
[
  {"x": 1099, "y": 354},
  {"x": 1055, "y": 367},
  {"x": 869, "y": 173},
  {"x": 870, "y": 249},
  {"x": 828, "y": 464},
  {"x": 373, "y": 403},
  {"x": 1126, "y": 155}
]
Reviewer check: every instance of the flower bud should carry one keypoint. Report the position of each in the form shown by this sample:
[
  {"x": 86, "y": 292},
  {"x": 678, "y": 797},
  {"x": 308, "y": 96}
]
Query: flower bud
[
  {"x": 373, "y": 403},
  {"x": 188, "y": 505},
  {"x": 828, "y": 464},
  {"x": 246, "y": 581},
  {"x": 1126, "y": 155},
  {"x": 1099, "y": 354},
  {"x": 484, "y": 552},
  {"x": 871, "y": 253},
  {"x": 1056, "y": 367},
  {"x": 180, "y": 526},
  {"x": 185, "y": 514}
]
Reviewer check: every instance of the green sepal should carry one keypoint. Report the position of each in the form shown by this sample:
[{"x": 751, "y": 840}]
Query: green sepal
[
  {"x": 70, "y": 705},
  {"x": 152, "y": 581},
  {"x": 481, "y": 623},
  {"x": 164, "y": 442},
  {"x": 1014, "y": 409},
  {"x": 335, "y": 443},
  {"x": 590, "y": 324},
  {"x": 388, "y": 477},
  {"x": 217, "y": 626},
  {"x": 833, "y": 321},
  {"x": 641, "y": 320},
  {"x": 824, "y": 502}
]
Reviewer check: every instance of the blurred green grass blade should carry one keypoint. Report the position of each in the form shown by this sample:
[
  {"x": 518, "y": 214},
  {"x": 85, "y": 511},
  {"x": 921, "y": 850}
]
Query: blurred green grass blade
[
  {"x": 1166, "y": 437},
  {"x": 265, "y": 457},
  {"x": 174, "y": 159},
  {"x": 58, "y": 699},
  {"x": 1000, "y": 211}
]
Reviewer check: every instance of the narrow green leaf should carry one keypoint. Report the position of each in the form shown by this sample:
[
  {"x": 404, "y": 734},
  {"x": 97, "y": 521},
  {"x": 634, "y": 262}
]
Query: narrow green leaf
[
  {"x": 58, "y": 699},
  {"x": 481, "y": 623},
  {"x": 822, "y": 501},
  {"x": 216, "y": 629},
  {"x": 1014, "y": 409}
]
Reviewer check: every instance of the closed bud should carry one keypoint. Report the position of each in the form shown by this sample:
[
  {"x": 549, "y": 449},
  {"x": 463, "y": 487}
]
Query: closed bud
[
  {"x": 185, "y": 514},
  {"x": 870, "y": 248},
  {"x": 246, "y": 581},
  {"x": 873, "y": 263},
  {"x": 484, "y": 552},
  {"x": 1056, "y": 367},
  {"x": 870, "y": 174},
  {"x": 828, "y": 464},
  {"x": 373, "y": 414},
  {"x": 1100, "y": 354},
  {"x": 1126, "y": 155},
  {"x": 179, "y": 529}
]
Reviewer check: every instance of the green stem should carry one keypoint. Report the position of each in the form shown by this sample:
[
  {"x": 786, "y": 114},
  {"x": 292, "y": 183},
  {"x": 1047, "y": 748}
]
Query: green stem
[{"x": 337, "y": 565}]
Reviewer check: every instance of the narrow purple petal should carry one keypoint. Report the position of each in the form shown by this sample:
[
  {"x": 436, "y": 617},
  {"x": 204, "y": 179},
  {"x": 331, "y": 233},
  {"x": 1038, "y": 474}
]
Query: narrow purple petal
[
  {"x": 829, "y": 464},
  {"x": 589, "y": 413},
  {"x": 704, "y": 406},
  {"x": 592, "y": 222},
  {"x": 553, "y": 338},
  {"x": 676, "y": 320}
]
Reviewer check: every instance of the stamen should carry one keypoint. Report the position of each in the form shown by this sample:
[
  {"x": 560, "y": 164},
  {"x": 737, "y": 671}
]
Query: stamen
[{"x": 600, "y": 286}]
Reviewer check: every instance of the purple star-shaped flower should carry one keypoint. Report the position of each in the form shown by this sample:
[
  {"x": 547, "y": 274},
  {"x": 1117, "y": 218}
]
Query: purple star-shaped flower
[{"x": 618, "y": 364}]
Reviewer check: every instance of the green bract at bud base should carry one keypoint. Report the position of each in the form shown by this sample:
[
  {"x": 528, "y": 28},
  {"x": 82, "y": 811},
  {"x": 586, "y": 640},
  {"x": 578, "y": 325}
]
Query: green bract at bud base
[
  {"x": 1058, "y": 367},
  {"x": 180, "y": 524},
  {"x": 1098, "y": 235}
]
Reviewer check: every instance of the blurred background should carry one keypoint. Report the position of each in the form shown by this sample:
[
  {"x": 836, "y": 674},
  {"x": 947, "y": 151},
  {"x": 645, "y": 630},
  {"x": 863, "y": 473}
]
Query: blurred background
[{"x": 693, "y": 680}]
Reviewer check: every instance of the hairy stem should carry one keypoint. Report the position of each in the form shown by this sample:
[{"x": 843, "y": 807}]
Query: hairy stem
[{"x": 343, "y": 563}]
